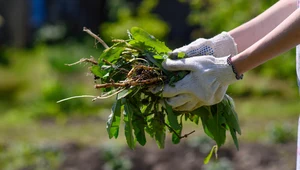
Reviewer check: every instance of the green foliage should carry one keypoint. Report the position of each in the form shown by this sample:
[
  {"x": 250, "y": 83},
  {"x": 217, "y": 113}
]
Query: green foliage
[
  {"x": 35, "y": 79},
  {"x": 281, "y": 133},
  {"x": 28, "y": 157},
  {"x": 136, "y": 63},
  {"x": 124, "y": 15},
  {"x": 216, "y": 16},
  {"x": 114, "y": 118}
]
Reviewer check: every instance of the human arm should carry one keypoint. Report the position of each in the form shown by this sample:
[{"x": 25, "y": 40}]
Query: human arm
[
  {"x": 209, "y": 76},
  {"x": 279, "y": 40},
  {"x": 252, "y": 31},
  {"x": 242, "y": 37}
]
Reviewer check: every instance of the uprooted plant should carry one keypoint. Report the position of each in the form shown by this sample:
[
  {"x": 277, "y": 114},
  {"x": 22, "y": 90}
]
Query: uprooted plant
[{"x": 127, "y": 70}]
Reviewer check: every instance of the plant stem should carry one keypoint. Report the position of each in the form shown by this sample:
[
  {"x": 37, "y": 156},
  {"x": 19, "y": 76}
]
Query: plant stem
[
  {"x": 88, "y": 60},
  {"x": 96, "y": 37}
]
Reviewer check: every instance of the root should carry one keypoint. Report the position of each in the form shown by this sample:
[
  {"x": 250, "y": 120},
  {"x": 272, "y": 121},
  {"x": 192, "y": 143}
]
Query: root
[
  {"x": 96, "y": 37},
  {"x": 88, "y": 60},
  {"x": 131, "y": 83}
]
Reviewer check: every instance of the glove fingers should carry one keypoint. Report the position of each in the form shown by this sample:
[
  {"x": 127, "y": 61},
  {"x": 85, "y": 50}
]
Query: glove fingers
[
  {"x": 179, "y": 100},
  {"x": 199, "y": 104},
  {"x": 189, "y": 106},
  {"x": 181, "y": 87},
  {"x": 181, "y": 64},
  {"x": 156, "y": 89},
  {"x": 219, "y": 94}
]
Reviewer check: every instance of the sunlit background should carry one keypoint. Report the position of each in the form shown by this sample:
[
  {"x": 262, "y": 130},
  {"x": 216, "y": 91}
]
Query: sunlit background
[{"x": 37, "y": 39}]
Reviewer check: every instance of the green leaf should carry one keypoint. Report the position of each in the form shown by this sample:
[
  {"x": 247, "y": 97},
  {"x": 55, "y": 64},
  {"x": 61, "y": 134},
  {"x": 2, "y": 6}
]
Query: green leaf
[
  {"x": 123, "y": 94},
  {"x": 111, "y": 54},
  {"x": 128, "y": 114},
  {"x": 231, "y": 119},
  {"x": 232, "y": 116},
  {"x": 139, "y": 123},
  {"x": 213, "y": 124},
  {"x": 149, "y": 40},
  {"x": 113, "y": 123},
  {"x": 160, "y": 137},
  {"x": 158, "y": 57},
  {"x": 174, "y": 124},
  {"x": 194, "y": 118},
  {"x": 96, "y": 70},
  {"x": 156, "y": 129},
  {"x": 148, "y": 108},
  {"x": 214, "y": 149},
  {"x": 139, "y": 130},
  {"x": 181, "y": 55}
]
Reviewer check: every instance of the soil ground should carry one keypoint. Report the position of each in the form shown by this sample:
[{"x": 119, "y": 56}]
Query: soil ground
[{"x": 251, "y": 156}]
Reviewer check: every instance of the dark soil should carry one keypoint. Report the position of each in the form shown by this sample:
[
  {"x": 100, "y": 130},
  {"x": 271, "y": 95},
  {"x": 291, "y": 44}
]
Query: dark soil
[{"x": 251, "y": 156}]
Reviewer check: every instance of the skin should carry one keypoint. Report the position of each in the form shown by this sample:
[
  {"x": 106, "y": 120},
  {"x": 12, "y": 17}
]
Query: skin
[
  {"x": 281, "y": 39},
  {"x": 252, "y": 31},
  {"x": 268, "y": 35},
  {"x": 273, "y": 32}
]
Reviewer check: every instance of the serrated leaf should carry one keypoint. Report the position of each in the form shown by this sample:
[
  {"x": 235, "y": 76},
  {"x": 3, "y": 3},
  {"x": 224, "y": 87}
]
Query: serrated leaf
[
  {"x": 138, "y": 123},
  {"x": 232, "y": 116},
  {"x": 156, "y": 129},
  {"x": 148, "y": 108},
  {"x": 194, "y": 118},
  {"x": 139, "y": 130},
  {"x": 231, "y": 119},
  {"x": 174, "y": 124},
  {"x": 128, "y": 114},
  {"x": 149, "y": 40},
  {"x": 111, "y": 54},
  {"x": 213, "y": 125},
  {"x": 160, "y": 137},
  {"x": 113, "y": 122}
]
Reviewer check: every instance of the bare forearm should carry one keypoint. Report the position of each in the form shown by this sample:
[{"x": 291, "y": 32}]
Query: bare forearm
[
  {"x": 281, "y": 39},
  {"x": 252, "y": 31}
]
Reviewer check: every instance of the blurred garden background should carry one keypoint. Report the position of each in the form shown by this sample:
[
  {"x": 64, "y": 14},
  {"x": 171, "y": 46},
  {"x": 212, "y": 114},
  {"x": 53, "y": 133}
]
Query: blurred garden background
[{"x": 37, "y": 39}]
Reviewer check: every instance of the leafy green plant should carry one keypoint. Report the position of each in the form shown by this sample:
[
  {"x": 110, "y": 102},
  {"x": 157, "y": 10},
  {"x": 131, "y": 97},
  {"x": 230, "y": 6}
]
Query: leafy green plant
[{"x": 128, "y": 69}]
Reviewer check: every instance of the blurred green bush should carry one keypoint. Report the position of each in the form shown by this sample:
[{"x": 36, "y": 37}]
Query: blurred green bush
[
  {"x": 24, "y": 156},
  {"x": 34, "y": 79}
]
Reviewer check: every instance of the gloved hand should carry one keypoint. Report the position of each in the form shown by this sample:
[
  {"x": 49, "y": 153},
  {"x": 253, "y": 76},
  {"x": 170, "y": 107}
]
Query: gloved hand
[
  {"x": 220, "y": 45},
  {"x": 206, "y": 84}
]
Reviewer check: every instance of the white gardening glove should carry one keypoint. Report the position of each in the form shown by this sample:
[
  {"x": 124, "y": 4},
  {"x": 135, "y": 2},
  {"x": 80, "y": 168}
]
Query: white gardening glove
[
  {"x": 206, "y": 84},
  {"x": 220, "y": 45}
]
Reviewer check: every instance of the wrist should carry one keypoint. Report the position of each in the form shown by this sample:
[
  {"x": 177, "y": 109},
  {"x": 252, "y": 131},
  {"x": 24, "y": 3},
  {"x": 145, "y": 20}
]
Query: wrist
[
  {"x": 240, "y": 63},
  {"x": 238, "y": 75}
]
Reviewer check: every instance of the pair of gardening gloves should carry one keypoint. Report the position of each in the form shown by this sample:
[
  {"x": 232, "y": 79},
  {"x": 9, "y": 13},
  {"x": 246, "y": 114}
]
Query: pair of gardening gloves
[{"x": 210, "y": 74}]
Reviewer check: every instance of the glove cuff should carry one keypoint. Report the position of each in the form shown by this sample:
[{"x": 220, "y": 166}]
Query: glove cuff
[
  {"x": 224, "y": 45},
  {"x": 225, "y": 73}
]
